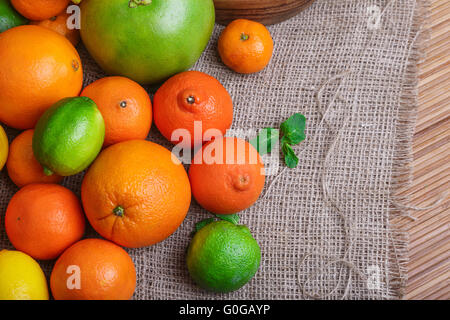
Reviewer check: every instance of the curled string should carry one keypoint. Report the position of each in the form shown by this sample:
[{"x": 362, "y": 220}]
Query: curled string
[
  {"x": 322, "y": 121},
  {"x": 405, "y": 207},
  {"x": 331, "y": 261}
]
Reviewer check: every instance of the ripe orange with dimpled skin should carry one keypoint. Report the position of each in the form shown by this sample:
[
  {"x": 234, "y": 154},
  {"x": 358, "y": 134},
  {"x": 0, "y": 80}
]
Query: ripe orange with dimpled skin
[
  {"x": 135, "y": 194},
  {"x": 125, "y": 107},
  {"x": 43, "y": 220},
  {"x": 245, "y": 46},
  {"x": 38, "y": 67},
  {"x": 22, "y": 166},
  {"x": 188, "y": 97},
  {"x": 232, "y": 185},
  {"x": 40, "y": 9},
  {"x": 106, "y": 272}
]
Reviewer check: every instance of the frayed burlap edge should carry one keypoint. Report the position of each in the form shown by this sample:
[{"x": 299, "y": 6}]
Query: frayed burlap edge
[{"x": 403, "y": 156}]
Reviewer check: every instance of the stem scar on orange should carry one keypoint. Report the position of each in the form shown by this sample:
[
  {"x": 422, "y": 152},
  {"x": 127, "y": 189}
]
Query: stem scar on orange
[
  {"x": 135, "y": 195},
  {"x": 245, "y": 46}
]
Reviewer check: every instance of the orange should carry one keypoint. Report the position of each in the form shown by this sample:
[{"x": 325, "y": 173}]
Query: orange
[
  {"x": 227, "y": 176},
  {"x": 38, "y": 67},
  {"x": 39, "y": 9},
  {"x": 246, "y": 46},
  {"x": 192, "y": 96},
  {"x": 125, "y": 107},
  {"x": 43, "y": 220},
  {"x": 59, "y": 24},
  {"x": 22, "y": 166},
  {"x": 135, "y": 194},
  {"x": 93, "y": 269}
]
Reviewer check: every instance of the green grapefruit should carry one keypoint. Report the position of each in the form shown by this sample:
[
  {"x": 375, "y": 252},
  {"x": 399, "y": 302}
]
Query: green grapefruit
[{"x": 146, "y": 40}]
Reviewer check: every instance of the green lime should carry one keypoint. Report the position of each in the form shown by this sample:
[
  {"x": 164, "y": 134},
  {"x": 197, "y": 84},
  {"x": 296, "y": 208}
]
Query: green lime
[
  {"x": 223, "y": 257},
  {"x": 9, "y": 17},
  {"x": 69, "y": 136}
]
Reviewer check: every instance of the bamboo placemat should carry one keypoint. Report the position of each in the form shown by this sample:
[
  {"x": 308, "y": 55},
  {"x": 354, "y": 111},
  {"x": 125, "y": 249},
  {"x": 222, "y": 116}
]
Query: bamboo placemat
[{"x": 429, "y": 248}]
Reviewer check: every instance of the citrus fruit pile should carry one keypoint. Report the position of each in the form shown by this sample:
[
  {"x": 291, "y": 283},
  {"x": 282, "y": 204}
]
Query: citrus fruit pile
[{"x": 135, "y": 193}]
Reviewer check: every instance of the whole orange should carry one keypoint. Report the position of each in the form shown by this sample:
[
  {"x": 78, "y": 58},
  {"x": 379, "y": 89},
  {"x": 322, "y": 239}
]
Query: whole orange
[
  {"x": 38, "y": 67},
  {"x": 246, "y": 46},
  {"x": 192, "y": 96},
  {"x": 125, "y": 107},
  {"x": 43, "y": 220},
  {"x": 59, "y": 24},
  {"x": 227, "y": 175},
  {"x": 93, "y": 269},
  {"x": 135, "y": 193},
  {"x": 39, "y": 9},
  {"x": 22, "y": 166}
]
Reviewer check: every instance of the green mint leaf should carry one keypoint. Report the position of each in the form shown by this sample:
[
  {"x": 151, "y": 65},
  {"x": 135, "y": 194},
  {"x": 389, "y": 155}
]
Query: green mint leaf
[
  {"x": 203, "y": 223},
  {"x": 294, "y": 129},
  {"x": 233, "y": 218},
  {"x": 265, "y": 140},
  {"x": 290, "y": 157}
]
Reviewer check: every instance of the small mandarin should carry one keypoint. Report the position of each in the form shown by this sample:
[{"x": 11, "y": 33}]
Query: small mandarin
[
  {"x": 125, "y": 107},
  {"x": 246, "y": 46},
  {"x": 22, "y": 166},
  {"x": 189, "y": 97},
  {"x": 227, "y": 176}
]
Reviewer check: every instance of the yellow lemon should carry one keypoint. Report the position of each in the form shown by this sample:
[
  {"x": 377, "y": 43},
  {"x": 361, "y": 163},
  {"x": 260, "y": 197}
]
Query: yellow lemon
[
  {"x": 21, "y": 277},
  {"x": 3, "y": 147}
]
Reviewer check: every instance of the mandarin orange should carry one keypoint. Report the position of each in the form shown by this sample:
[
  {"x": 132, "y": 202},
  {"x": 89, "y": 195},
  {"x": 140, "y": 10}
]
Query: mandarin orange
[
  {"x": 22, "y": 166},
  {"x": 188, "y": 97},
  {"x": 125, "y": 107},
  {"x": 227, "y": 175},
  {"x": 245, "y": 46},
  {"x": 93, "y": 269},
  {"x": 43, "y": 220}
]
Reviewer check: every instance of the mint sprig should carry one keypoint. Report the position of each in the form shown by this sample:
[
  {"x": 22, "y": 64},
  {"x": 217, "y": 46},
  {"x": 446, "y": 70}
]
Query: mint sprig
[
  {"x": 290, "y": 158},
  {"x": 293, "y": 130}
]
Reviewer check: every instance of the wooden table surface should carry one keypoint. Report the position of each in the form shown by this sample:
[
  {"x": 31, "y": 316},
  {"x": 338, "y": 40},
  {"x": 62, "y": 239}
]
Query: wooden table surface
[{"x": 429, "y": 249}]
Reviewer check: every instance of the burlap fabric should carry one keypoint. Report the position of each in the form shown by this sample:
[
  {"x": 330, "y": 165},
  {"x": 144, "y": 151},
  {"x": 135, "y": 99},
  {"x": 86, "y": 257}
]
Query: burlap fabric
[{"x": 324, "y": 227}]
